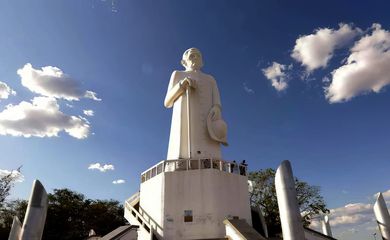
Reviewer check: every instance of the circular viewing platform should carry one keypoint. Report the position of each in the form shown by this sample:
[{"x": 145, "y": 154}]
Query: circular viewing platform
[{"x": 194, "y": 164}]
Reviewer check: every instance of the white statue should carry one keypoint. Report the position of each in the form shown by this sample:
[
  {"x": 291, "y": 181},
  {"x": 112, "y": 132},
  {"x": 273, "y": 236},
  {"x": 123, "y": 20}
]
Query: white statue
[{"x": 195, "y": 99}]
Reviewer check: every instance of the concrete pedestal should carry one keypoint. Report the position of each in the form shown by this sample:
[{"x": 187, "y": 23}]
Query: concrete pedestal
[{"x": 192, "y": 204}]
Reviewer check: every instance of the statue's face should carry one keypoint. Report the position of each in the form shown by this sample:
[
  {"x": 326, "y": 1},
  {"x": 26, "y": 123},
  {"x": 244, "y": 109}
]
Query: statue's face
[{"x": 193, "y": 60}]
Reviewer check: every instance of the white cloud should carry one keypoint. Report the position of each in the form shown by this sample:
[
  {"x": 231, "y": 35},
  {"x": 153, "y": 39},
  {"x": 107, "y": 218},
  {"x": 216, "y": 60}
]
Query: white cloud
[
  {"x": 40, "y": 118},
  {"x": 247, "y": 89},
  {"x": 15, "y": 174},
  {"x": 315, "y": 50},
  {"x": 89, "y": 113},
  {"x": 52, "y": 82},
  {"x": 5, "y": 91},
  {"x": 351, "y": 215},
  {"x": 277, "y": 75},
  {"x": 367, "y": 68},
  {"x": 119, "y": 181},
  {"x": 100, "y": 167},
  {"x": 92, "y": 95},
  {"x": 84, "y": 119}
]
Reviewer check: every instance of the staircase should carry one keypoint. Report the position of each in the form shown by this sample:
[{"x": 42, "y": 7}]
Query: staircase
[
  {"x": 135, "y": 215},
  {"x": 240, "y": 229},
  {"x": 151, "y": 230}
]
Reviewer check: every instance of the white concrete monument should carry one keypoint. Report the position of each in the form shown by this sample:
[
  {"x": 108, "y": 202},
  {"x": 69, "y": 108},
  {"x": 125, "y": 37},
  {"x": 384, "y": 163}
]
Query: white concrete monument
[
  {"x": 35, "y": 217},
  {"x": 326, "y": 230},
  {"x": 16, "y": 229},
  {"x": 382, "y": 217},
  {"x": 286, "y": 193},
  {"x": 189, "y": 195}
]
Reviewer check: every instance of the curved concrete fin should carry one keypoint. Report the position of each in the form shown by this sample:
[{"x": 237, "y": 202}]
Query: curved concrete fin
[
  {"x": 286, "y": 193},
  {"x": 34, "y": 220},
  {"x": 382, "y": 216},
  {"x": 326, "y": 230},
  {"x": 16, "y": 229},
  {"x": 38, "y": 195}
]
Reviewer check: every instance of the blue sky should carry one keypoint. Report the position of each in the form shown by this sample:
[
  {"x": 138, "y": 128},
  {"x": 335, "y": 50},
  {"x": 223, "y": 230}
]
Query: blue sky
[{"x": 125, "y": 51}]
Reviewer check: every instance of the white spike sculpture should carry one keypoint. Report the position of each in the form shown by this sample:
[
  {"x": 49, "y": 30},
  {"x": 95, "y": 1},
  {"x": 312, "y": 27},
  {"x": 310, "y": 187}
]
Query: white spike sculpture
[
  {"x": 16, "y": 229},
  {"x": 326, "y": 226},
  {"x": 286, "y": 193},
  {"x": 382, "y": 217},
  {"x": 34, "y": 220}
]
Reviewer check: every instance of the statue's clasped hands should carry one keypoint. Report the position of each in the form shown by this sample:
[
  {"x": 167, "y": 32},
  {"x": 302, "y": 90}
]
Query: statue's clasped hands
[{"x": 188, "y": 82}]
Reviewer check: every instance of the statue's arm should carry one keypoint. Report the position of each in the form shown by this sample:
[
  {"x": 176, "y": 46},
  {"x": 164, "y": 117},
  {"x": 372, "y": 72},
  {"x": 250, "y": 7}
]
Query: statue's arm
[
  {"x": 216, "y": 97},
  {"x": 175, "y": 90},
  {"x": 216, "y": 113}
]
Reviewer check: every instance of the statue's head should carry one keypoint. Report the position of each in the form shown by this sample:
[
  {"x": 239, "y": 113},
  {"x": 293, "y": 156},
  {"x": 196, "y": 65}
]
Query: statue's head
[{"x": 192, "y": 59}]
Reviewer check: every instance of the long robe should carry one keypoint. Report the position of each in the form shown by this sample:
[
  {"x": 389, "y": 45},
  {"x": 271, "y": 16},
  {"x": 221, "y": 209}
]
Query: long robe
[{"x": 201, "y": 100}]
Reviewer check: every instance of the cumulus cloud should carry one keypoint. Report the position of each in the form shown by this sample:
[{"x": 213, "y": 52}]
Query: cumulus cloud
[
  {"x": 277, "y": 75},
  {"x": 350, "y": 215},
  {"x": 367, "y": 68},
  {"x": 119, "y": 181},
  {"x": 5, "y": 91},
  {"x": 101, "y": 167},
  {"x": 315, "y": 50},
  {"x": 18, "y": 176},
  {"x": 40, "y": 118},
  {"x": 89, "y": 113},
  {"x": 53, "y": 82}
]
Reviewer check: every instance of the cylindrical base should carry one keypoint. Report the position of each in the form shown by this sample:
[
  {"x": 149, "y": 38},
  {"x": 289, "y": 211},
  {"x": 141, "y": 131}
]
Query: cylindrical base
[{"x": 193, "y": 204}]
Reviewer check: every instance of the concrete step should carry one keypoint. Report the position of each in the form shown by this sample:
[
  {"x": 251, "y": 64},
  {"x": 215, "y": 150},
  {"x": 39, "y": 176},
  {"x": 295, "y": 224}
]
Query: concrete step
[{"x": 243, "y": 229}]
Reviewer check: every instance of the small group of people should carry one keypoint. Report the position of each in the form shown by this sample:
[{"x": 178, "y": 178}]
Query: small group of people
[{"x": 238, "y": 168}]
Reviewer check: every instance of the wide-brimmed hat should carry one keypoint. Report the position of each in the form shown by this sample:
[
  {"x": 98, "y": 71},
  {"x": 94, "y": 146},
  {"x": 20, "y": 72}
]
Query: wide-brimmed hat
[{"x": 217, "y": 128}]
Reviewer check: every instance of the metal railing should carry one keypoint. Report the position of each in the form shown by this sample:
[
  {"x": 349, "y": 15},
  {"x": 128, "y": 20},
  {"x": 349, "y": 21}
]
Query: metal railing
[{"x": 193, "y": 164}]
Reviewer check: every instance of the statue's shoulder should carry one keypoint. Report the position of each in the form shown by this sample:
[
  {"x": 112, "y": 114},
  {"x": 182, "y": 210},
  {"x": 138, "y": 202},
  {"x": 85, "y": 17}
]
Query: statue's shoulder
[
  {"x": 176, "y": 75},
  {"x": 208, "y": 77},
  {"x": 175, "y": 72}
]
